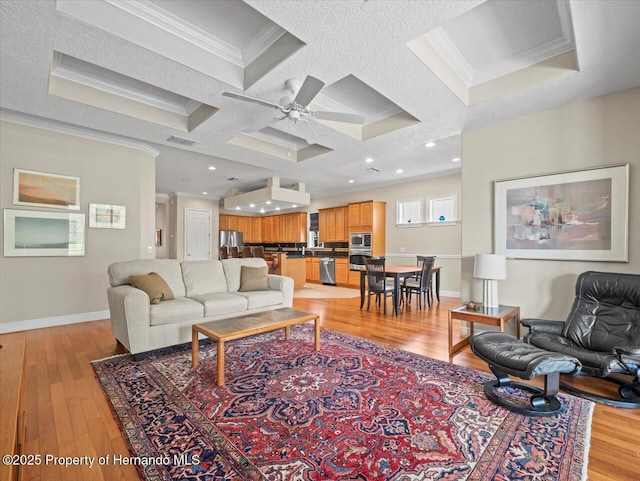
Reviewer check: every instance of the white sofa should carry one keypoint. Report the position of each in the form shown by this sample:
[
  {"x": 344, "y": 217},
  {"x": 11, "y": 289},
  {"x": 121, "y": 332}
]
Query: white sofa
[{"x": 204, "y": 291}]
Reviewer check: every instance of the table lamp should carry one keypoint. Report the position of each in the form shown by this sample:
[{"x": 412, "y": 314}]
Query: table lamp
[{"x": 490, "y": 268}]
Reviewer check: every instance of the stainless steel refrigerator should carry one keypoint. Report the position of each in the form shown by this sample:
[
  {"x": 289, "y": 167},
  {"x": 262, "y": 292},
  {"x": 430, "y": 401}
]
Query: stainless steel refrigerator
[{"x": 230, "y": 238}]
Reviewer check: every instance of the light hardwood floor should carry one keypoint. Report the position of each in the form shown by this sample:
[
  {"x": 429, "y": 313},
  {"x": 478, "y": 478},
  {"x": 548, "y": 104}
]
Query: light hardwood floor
[{"x": 68, "y": 414}]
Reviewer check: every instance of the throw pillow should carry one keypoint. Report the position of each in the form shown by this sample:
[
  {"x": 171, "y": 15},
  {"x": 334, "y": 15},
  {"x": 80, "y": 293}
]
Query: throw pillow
[
  {"x": 154, "y": 285},
  {"x": 254, "y": 278}
]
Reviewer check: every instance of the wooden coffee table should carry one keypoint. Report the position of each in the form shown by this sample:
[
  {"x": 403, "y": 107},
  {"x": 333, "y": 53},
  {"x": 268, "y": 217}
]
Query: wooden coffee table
[{"x": 238, "y": 327}]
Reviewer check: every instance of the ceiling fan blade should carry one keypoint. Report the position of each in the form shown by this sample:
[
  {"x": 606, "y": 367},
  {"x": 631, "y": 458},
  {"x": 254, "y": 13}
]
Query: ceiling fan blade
[
  {"x": 251, "y": 99},
  {"x": 339, "y": 117},
  {"x": 308, "y": 91}
]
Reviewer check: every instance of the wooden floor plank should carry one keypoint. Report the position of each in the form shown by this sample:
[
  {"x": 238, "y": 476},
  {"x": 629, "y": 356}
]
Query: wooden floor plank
[{"x": 71, "y": 414}]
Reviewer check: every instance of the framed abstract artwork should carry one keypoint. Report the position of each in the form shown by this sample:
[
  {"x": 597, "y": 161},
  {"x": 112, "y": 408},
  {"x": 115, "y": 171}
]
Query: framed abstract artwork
[
  {"x": 40, "y": 189},
  {"x": 579, "y": 215},
  {"x": 37, "y": 233},
  {"x": 107, "y": 216}
]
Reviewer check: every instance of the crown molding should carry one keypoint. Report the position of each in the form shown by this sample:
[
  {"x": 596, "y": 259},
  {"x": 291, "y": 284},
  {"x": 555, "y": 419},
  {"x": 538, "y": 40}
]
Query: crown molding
[
  {"x": 174, "y": 25},
  {"x": 259, "y": 44},
  {"x": 99, "y": 78},
  {"x": 70, "y": 129},
  {"x": 447, "y": 49}
]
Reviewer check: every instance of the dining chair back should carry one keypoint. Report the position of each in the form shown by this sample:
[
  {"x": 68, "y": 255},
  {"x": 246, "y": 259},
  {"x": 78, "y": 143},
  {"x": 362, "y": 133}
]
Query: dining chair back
[
  {"x": 247, "y": 251},
  {"x": 234, "y": 252},
  {"x": 376, "y": 279},
  {"x": 422, "y": 285},
  {"x": 223, "y": 252}
]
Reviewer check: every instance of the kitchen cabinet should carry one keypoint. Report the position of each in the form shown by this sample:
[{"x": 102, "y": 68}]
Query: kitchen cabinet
[
  {"x": 342, "y": 271},
  {"x": 312, "y": 267},
  {"x": 370, "y": 216},
  {"x": 284, "y": 228},
  {"x": 267, "y": 230},
  {"x": 333, "y": 224},
  {"x": 361, "y": 214}
]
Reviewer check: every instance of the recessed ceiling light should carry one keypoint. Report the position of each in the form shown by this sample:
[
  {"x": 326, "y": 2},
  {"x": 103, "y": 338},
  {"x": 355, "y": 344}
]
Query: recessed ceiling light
[
  {"x": 399, "y": 171},
  {"x": 262, "y": 210},
  {"x": 351, "y": 181},
  {"x": 252, "y": 205},
  {"x": 204, "y": 193},
  {"x": 268, "y": 202},
  {"x": 277, "y": 208},
  {"x": 237, "y": 207},
  {"x": 211, "y": 167},
  {"x": 429, "y": 144},
  {"x": 368, "y": 160},
  {"x": 455, "y": 159}
]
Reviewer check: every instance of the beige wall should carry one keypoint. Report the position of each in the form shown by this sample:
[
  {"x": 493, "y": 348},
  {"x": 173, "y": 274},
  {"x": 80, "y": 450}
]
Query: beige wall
[
  {"x": 177, "y": 204},
  {"x": 41, "y": 288},
  {"x": 597, "y": 132},
  {"x": 442, "y": 241}
]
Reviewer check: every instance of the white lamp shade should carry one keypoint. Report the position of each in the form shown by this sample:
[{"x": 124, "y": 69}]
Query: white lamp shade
[{"x": 490, "y": 266}]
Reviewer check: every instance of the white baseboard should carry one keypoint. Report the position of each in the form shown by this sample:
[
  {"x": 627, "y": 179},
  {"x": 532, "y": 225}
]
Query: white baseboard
[
  {"x": 29, "y": 324},
  {"x": 450, "y": 294}
]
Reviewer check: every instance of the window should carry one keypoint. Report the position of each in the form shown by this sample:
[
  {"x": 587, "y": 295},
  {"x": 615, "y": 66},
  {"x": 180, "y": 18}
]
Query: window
[
  {"x": 409, "y": 212},
  {"x": 443, "y": 209}
]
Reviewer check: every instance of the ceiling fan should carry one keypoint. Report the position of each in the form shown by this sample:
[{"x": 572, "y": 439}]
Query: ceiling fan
[{"x": 297, "y": 109}]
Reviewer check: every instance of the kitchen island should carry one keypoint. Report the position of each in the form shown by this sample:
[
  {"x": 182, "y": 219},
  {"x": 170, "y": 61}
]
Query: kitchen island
[{"x": 292, "y": 266}]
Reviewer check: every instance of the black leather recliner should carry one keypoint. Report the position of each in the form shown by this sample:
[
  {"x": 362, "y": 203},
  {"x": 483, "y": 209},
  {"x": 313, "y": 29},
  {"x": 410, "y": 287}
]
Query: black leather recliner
[{"x": 602, "y": 331}]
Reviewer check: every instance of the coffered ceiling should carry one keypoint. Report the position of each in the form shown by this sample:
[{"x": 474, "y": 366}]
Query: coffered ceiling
[{"x": 418, "y": 71}]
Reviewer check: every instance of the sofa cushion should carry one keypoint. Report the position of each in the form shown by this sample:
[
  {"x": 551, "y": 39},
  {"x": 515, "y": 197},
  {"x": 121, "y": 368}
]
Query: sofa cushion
[
  {"x": 169, "y": 269},
  {"x": 254, "y": 278},
  {"x": 258, "y": 299},
  {"x": 203, "y": 277},
  {"x": 220, "y": 303},
  {"x": 154, "y": 285},
  {"x": 177, "y": 310},
  {"x": 232, "y": 270}
]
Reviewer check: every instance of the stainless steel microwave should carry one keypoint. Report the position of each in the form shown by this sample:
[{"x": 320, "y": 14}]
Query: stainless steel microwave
[{"x": 360, "y": 240}]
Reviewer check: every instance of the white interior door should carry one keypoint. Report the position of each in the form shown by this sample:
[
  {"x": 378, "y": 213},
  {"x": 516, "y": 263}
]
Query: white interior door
[{"x": 197, "y": 234}]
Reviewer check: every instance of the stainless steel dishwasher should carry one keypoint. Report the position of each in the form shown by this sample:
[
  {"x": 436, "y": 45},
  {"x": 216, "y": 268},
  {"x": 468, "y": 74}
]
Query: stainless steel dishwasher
[{"x": 328, "y": 270}]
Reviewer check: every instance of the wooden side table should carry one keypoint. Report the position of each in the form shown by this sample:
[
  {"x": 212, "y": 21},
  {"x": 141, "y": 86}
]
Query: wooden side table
[{"x": 497, "y": 316}]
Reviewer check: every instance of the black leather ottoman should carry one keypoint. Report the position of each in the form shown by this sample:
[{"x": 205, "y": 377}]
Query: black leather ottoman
[{"x": 506, "y": 355}]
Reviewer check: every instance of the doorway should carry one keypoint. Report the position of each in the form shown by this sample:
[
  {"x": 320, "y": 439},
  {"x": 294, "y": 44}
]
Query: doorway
[{"x": 197, "y": 234}]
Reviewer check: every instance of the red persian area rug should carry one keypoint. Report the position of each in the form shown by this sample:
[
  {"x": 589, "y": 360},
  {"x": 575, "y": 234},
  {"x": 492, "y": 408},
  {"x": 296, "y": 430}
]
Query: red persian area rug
[{"x": 354, "y": 410}]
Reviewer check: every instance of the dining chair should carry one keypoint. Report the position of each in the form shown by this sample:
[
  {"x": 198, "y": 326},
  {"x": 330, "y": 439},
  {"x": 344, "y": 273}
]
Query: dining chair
[
  {"x": 270, "y": 259},
  {"x": 247, "y": 251},
  {"x": 422, "y": 284},
  {"x": 234, "y": 252},
  {"x": 223, "y": 252},
  {"x": 377, "y": 281}
]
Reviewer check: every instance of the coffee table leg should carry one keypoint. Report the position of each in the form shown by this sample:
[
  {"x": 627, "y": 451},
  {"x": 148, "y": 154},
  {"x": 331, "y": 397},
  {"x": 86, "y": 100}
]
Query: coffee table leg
[
  {"x": 194, "y": 348},
  {"x": 220, "y": 346},
  {"x": 316, "y": 332},
  {"x": 287, "y": 332}
]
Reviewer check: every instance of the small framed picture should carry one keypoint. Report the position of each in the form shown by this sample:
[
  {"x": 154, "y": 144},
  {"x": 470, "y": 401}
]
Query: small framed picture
[
  {"x": 40, "y": 189},
  {"x": 107, "y": 216}
]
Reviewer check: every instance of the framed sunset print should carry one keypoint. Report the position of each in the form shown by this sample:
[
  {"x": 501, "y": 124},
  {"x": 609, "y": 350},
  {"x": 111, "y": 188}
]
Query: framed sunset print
[{"x": 40, "y": 189}]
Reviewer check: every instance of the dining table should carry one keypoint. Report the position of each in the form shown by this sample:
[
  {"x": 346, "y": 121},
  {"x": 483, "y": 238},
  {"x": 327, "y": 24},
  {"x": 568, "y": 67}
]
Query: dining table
[{"x": 398, "y": 273}]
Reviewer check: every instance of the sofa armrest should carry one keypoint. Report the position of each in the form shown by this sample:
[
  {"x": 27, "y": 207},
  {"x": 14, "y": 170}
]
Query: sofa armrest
[
  {"x": 628, "y": 354},
  {"x": 130, "y": 317},
  {"x": 283, "y": 284},
  {"x": 543, "y": 325}
]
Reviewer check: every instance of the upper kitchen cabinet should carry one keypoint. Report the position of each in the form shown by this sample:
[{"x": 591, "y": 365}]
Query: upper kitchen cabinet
[
  {"x": 333, "y": 224},
  {"x": 370, "y": 216},
  {"x": 284, "y": 228}
]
